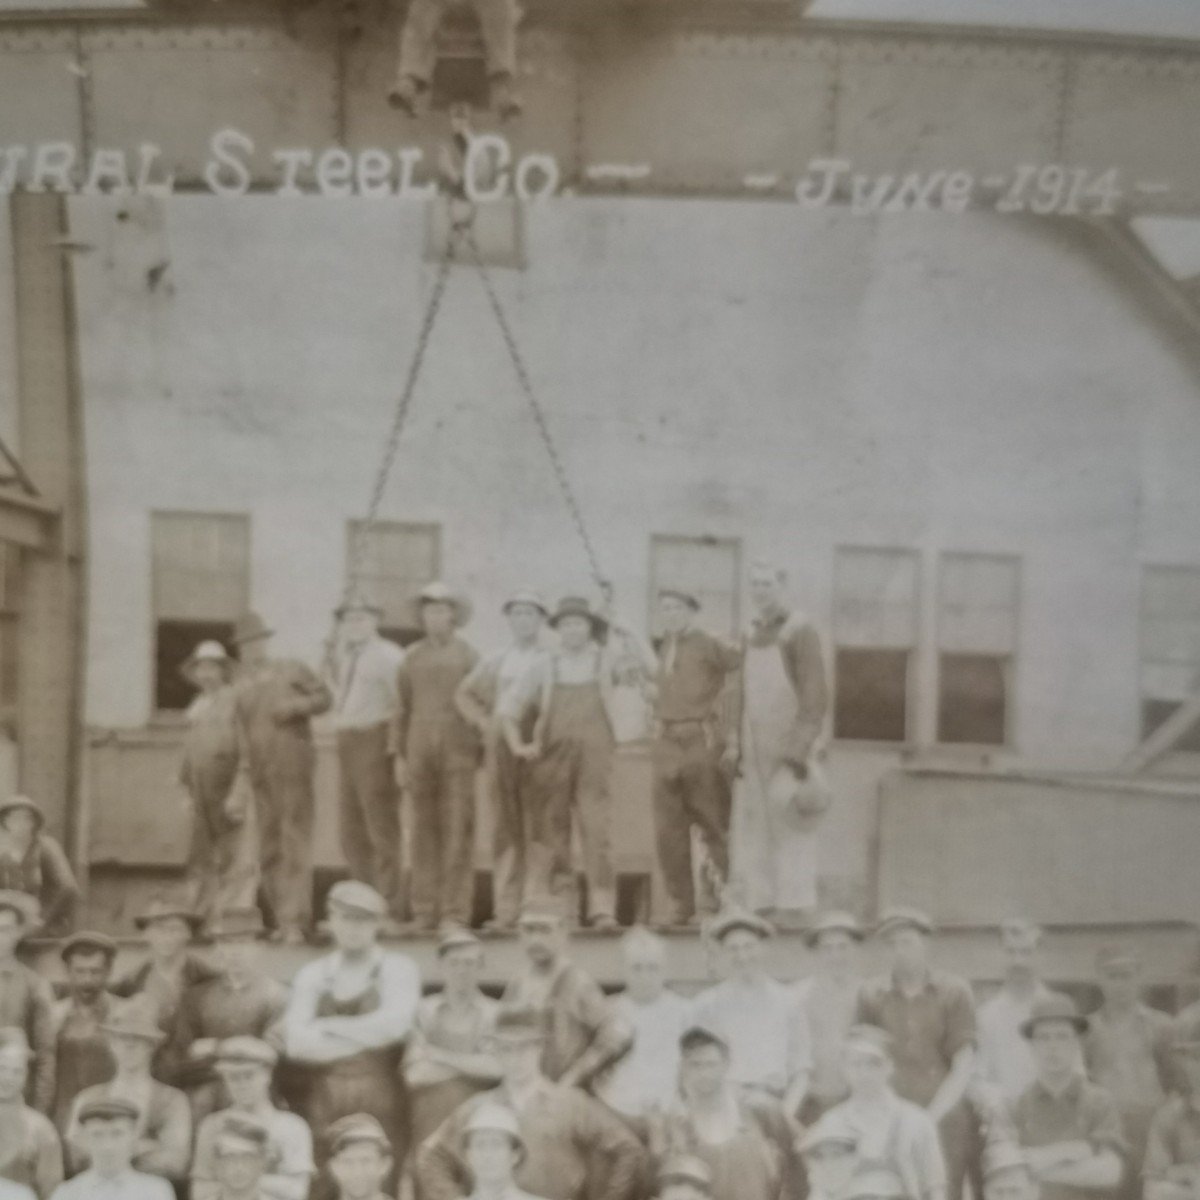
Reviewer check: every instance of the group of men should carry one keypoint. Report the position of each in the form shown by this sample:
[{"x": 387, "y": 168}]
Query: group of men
[
  {"x": 735, "y": 726},
  {"x": 197, "y": 1073}
]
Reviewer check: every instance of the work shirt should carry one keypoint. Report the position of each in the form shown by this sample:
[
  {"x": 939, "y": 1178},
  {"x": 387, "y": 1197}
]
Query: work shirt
[
  {"x": 43, "y": 871},
  {"x": 1082, "y": 1112},
  {"x": 30, "y": 1152},
  {"x": 577, "y": 1016},
  {"x": 427, "y": 681},
  {"x": 275, "y": 704},
  {"x": 307, "y": 1037},
  {"x": 492, "y": 680},
  {"x": 766, "y": 1028},
  {"x": 829, "y": 1007},
  {"x": 1005, "y": 1058},
  {"x": 647, "y": 1077},
  {"x": 365, "y": 685},
  {"x": 1131, "y": 1058},
  {"x": 438, "y": 1026},
  {"x": 691, "y": 674},
  {"x": 1173, "y": 1147},
  {"x": 901, "y": 1136},
  {"x": 928, "y": 1029},
  {"x": 27, "y": 1003},
  {"x": 127, "y": 1185},
  {"x": 165, "y": 1120},
  {"x": 602, "y": 665},
  {"x": 570, "y": 1139},
  {"x": 82, "y": 1053},
  {"x": 289, "y": 1148}
]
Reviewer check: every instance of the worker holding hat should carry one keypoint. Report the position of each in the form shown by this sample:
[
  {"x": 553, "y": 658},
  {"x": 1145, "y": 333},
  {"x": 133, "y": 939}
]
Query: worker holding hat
[
  {"x": 1069, "y": 1127},
  {"x": 26, "y": 1000},
  {"x": 223, "y": 856},
  {"x": 690, "y": 788},
  {"x": 30, "y": 1152},
  {"x": 437, "y": 755},
  {"x": 364, "y": 671},
  {"x": 1171, "y": 1168},
  {"x": 33, "y": 861},
  {"x": 1128, "y": 1050},
  {"x": 480, "y": 698},
  {"x": 276, "y": 700},
  {"x": 930, "y": 1015},
  {"x": 108, "y": 1130}
]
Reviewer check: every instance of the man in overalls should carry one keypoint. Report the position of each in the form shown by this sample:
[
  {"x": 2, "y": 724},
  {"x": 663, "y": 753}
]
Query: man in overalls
[
  {"x": 480, "y": 698},
  {"x": 276, "y": 700},
  {"x": 777, "y": 720},
  {"x": 348, "y": 1016},
  {"x": 436, "y": 757}
]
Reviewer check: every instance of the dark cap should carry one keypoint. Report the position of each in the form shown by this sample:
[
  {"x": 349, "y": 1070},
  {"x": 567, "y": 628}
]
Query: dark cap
[
  {"x": 357, "y": 1127},
  {"x": 88, "y": 942},
  {"x": 1056, "y": 1007},
  {"x": 107, "y": 1108},
  {"x": 723, "y": 924},
  {"x": 835, "y": 921},
  {"x": 902, "y": 917},
  {"x": 698, "y": 1036}
]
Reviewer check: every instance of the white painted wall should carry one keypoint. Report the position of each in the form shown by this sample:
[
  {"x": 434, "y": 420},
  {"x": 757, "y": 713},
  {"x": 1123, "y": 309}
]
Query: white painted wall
[{"x": 800, "y": 380}]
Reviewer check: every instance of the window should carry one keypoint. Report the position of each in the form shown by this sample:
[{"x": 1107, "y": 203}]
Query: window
[
  {"x": 200, "y": 565},
  {"x": 875, "y": 634},
  {"x": 977, "y": 642},
  {"x": 1170, "y": 647},
  {"x": 708, "y": 567},
  {"x": 10, "y": 582},
  {"x": 399, "y": 559}
]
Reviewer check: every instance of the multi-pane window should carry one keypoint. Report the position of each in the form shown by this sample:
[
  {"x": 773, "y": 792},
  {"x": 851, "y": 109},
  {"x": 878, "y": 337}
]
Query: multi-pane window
[
  {"x": 875, "y": 636},
  {"x": 1170, "y": 647},
  {"x": 398, "y": 559},
  {"x": 708, "y": 567},
  {"x": 200, "y": 570},
  {"x": 977, "y": 645}
]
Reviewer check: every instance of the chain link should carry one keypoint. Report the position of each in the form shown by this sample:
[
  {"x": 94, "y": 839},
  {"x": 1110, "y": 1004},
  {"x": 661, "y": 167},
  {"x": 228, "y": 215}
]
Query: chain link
[{"x": 535, "y": 406}]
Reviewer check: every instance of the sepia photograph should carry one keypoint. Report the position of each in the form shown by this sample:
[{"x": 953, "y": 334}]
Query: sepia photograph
[{"x": 599, "y": 599}]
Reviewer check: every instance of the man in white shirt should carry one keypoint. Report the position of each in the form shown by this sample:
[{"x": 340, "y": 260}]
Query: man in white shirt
[
  {"x": 763, "y": 1023},
  {"x": 646, "y": 1080},
  {"x": 365, "y": 684},
  {"x": 108, "y": 1131}
]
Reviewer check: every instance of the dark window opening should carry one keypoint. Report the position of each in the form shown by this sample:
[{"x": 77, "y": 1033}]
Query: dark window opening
[
  {"x": 871, "y": 702},
  {"x": 173, "y": 642},
  {"x": 973, "y": 699},
  {"x": 1156, "y": 712}
]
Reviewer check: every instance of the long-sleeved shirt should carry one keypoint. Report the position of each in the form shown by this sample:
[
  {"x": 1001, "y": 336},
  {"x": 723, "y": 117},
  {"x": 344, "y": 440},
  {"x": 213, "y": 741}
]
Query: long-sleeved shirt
[
  {"x": 365, "y": 684},
  {"x": 27, "y": 1003},
  {"x": 486, "y": 691},
  {"x": 44, "y": 872},
  {"x": 427, "y": 682},
  {"x": 275, "y": 704},
  {"x": 30, "y": 1152},
  {"x": 1133, "y": 1058},
  {"x": 584, "y": 1034},
  {"x": 692, "y": 667},
  {"x": 647, "y": 1078},
  {"x": 1005, "y": 1058},
  {"x": 164, "y": 1126},
  {"x": 570, "y": 1140},
  {"x": 289, "y": 1153},
  {"x": 437, "y": 1027},
  {"x": 310, "y": 1038},
  {"x": 766, "y": 1028},
  {"x": 127, "y": 1185}
]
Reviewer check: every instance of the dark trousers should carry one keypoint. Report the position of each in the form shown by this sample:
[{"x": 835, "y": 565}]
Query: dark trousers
[
  {"x": 512, "y": 833},
  {"x": 283, "y": 792},
  {"x": 369, "y": 812},
  {"x": 689, "y": 789},
  {"x": 443, "y": 795}
]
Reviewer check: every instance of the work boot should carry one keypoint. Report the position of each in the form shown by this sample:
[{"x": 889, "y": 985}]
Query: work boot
[
  {"x": 505, "y": 100},
  {"x": 405, "y": 93}
]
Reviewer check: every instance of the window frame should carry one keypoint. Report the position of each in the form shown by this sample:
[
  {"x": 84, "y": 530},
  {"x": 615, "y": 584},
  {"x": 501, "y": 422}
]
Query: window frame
[
  {"x": 436, "y": 528},
  {"x": 1142, "y": 697}
]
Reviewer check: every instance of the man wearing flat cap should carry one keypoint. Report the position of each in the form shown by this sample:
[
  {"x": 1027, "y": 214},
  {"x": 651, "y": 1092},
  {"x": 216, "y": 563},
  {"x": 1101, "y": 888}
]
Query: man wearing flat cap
[
  {"x": 574, "y": 1146},
  {"x": 1069, "y": 1127},
  {"x": 1128, "y": 1052},
  {"x": 276, "y": 700},
  {"x": 107, "y": 1129},
  {"x": 449, "y": 1059},
  {"x": 364, "y": 671},
  {"x": 930, "y": 1015},
  {"x": 481, "y": 697},
  {"x": 82, "y": 1054},
  {"x": 690, "y": 788},
  {"x": 246, "y": 1064},
  {"x": 360, "y": 1157},
  {"x": 1171, "y": 1169},
  {"x": 241, "y": 1156},
  {"x": 30, "y": 1152},
  {"x": 163, "y": 1144},
  {"x": 348, "y": 1016},
  {"x": 436, "y": 757},
  {"x": 26, "y": 1000}
]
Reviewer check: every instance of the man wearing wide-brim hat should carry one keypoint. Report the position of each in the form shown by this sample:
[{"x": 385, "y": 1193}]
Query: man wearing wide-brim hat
[
  {"x": 573, "y": 696},
  {"x": 574, "y": 1144},
  {"x": 364, "y": 671},
  {"x": 437, "y": 753},
  {"x": 276, "y": 700},
  {"x": 1069, "y": 1127},
  {"x": 223, "y": 867},
  {"x": 479, "y": 699},
  {"x": 930, "y": 1015},
  {"x": 493, "y": 1148},
  {"x": 33, "y": 861},
  {"x": 690, "y": 788}
]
